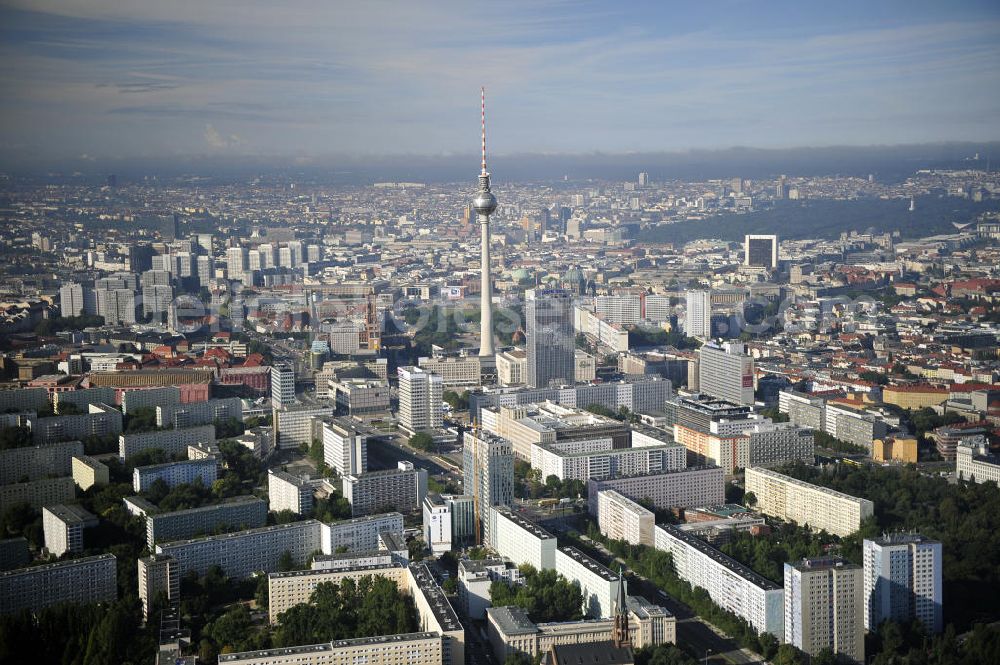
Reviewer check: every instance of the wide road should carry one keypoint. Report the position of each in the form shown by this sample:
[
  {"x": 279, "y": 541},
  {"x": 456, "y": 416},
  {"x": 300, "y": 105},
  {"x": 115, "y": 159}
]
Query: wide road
[{"x": 694, "y": 634}]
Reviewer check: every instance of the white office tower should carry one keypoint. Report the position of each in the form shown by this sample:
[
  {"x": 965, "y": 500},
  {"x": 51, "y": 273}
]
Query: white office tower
[
  {"x": 437, "y": 523},
  {"x": 698, "y": 316},
  {"x": 488, "y": 475},
  {"x": 282, "y": 385},
  {"x": 726, "y": 372},
  {"x": 420, "y": 395},
  {"x": 345, "y": 448},
  {"x": 485, "y": 204},
  {"x": 236, "y": 263},
  {"x": 643, "y": 179},
  {"x": 550, "y": 338},
  {"x": 760, "y": 251},
  {"x": 824, "y": 607},
  {"x": 903, "y": 581},
  {"x": 71, "y": 300}
]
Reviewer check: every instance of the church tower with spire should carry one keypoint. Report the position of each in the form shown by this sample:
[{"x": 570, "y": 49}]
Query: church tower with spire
[{"x": 619, "y": 632}]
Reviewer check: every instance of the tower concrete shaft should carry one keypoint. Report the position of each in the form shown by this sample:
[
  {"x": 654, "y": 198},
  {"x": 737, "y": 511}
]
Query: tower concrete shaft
[
  {"x": 486, "y": 292},
  {"x": 485, "y": 204}
]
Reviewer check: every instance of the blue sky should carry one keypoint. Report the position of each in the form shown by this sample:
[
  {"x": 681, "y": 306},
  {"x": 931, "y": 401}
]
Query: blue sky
[{"x": 99, "y": 79}]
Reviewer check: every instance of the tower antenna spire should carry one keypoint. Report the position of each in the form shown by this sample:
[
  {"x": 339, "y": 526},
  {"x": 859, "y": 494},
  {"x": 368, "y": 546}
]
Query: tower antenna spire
[{"x": 482, "y": 92}]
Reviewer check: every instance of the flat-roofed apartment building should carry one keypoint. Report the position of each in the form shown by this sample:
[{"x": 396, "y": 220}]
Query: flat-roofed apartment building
[
  {"x": 101, "y": 420},
  {"x": 402, "y": 489},
  {"x": 88, "y": 471},
  {"x": 521, "y": 540},
  {"x": 288, "y": 492},
  {"x": 621, "y": 518},
  {"x": 797, "y": 501},
  {"x": 236, "y": 513},
  {"x": 199, "y": 413},
  {"x": 683, "y": 488},
  {"x": 175, "y": 473},
  {"x": 345, "y": 447},
  {"x": 730, "y": 584},
  {"x": 824, "y": 607},
  {"x": 38, "y": 493},
  {"x": 462, "y": 371},
  {"x": 34, "y": 462},
  {"x": 88, "y": 580},
  {"x": 171, "y": 441},
  {"x": 410, "y": 648},
  {"x": 434, "y": 611},
  {"x": 63, "y": 527},
  {"x": 597, "y": 583}
]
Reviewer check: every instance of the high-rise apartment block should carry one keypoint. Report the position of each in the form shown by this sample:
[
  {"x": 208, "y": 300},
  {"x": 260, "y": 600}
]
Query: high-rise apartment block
[
  {"x": 550, "y": 338},
  {"x": 903, "y": 581},
  {"x": 282, "y": 385},
  {"x": 402, "y": 489},
  {"x": 795, "y": 500},
  {"x": 345, "y": 447},
  {"x": 726, "y": 372},
  {"x": 683, "y": 488},
  {"x": 488, "y": 475},
  {"x": 63, "y": 526},
  {"x": 288, "y": 492},
  {"x": 824, "y": 607},
  {"x": 420, "y": 394},
  {"x": 621, "y": 518},
  {"x": 175, "y": 473},
  {"x": 698, "y": 314},
  {"x": 157, "y": 574},
  {"x": 83, "y": 581}
]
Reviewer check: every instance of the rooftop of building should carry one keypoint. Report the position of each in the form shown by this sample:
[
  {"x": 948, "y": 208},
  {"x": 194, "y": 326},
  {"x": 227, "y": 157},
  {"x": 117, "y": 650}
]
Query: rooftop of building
[
  {"x": 903, "y": 539},
  {"x": 58, "y": 565},
  {"x": 152, "y": 468},
  {"x": 823, "y": 563},
  {"x": 594, "y": 653},
  {"x": 668, "y": 472},
  {"x": 71, "y": 514},
  {"x": 289, "y": 478},
  {"x": 320, "y": 648},
  {"x": 720, "y": 558},
  {"x": 524, "y": 523},
  {"x": 512, "y": 620},
  {"x": 292, "y": 526},
  {"x": 589, "y": 563}
]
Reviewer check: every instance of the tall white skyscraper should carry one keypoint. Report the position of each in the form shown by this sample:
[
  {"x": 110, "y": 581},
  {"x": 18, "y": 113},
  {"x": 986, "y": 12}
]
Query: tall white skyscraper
[
  {"x": 903, "y": 581},
  {"x": 726, "y": 372},
  {"x": 824, "y": 607},
  {"x": 643, "y": 179},
  {"x": 345, "y": 448},
  {"x": 282, "y": 385},
  {"x": 550, "y": 339},
  {"x": 488, "y": 475},
  {"x": 485, "y": 204},
  {"x": 420, "y": 394},
  {"x": 698, "y": 317}
]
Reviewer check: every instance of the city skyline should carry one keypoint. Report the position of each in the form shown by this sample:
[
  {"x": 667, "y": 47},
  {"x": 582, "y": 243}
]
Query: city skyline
[{"x": 97, "y": 81}]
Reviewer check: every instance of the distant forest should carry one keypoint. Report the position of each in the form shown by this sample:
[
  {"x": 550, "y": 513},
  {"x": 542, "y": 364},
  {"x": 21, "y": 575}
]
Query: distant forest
[{"x": 825, "y": 218}]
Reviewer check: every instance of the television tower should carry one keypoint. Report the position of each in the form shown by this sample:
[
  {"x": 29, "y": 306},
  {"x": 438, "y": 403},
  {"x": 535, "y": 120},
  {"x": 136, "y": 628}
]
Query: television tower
[{"x": 485, "y": 204}]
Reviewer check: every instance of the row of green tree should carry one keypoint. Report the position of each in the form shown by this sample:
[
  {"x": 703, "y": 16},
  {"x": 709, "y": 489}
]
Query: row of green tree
[
  {"x": 545, "y": 595},
  {"x": 105, "y": 634},
  {"x": 528, "y": 484}
]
